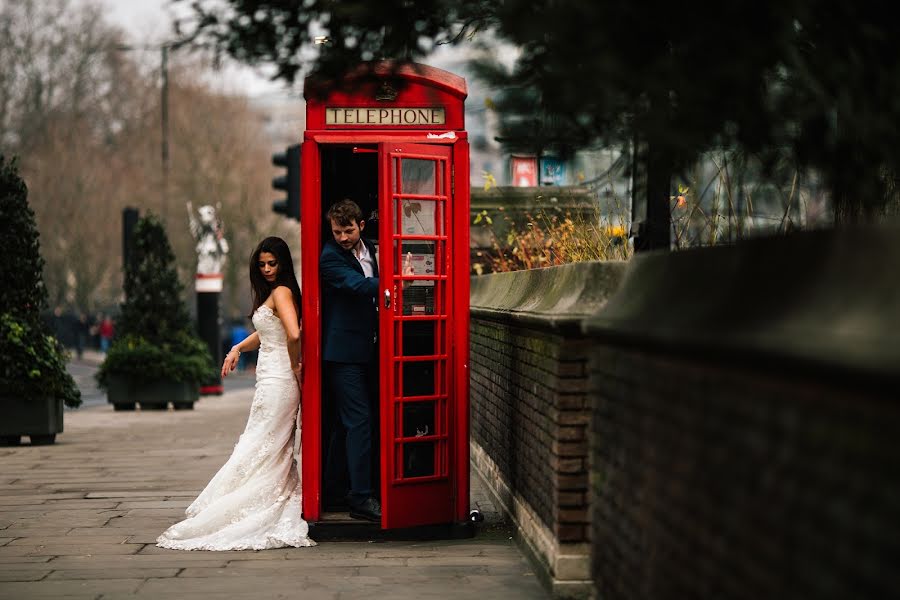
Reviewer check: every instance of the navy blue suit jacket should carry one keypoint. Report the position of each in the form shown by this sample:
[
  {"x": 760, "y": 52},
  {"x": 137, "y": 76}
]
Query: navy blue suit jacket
[{"x": 349, "y": 314}]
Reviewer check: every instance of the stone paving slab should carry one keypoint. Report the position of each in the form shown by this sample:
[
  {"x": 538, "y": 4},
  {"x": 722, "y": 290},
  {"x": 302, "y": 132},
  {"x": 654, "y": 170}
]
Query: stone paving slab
[
  {"x": 198, "y": 593},
  {"x": 107, "y": 573},
  {"x": 17, "y": 532},
  {"x": 24, "y": 575},
  {"x": 14, "y": 562},
  {"x": 107, "y": 538},
  {"x": 315, "y": 563},
  {"x": 79, "y": 519},
  {"x": 268, "y": 585},
  {"x": 21, "y": 567},
  {"x": 171, "y": 512},
  {"x": 146, "y": 537},
  {"x": 288, "y": 569},
  {"x": 15, "y": 552},
  {"x": 82, "y": 503},
  {"x": 158, "y": 524},
  {"x": 180, "y": 504},
  {"x": 26, "y": 499},
  {"x": 93, "y": 587},
  {"x": 146, "y": 494},
  {"x": 76, "y": 549},
  {"x": 131, "y": 561},
  {"x": 106, "y": 531},
  {"x": 58, "y": 596},
  {"x": 64, "y": 512},
  {"x": 42, "y": 522}
]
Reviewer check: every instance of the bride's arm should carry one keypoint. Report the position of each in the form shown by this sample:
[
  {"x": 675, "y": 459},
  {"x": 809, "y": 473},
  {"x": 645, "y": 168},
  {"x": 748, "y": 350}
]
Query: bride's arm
[
  {"x": 287, "y": 312},
  {"x": 251, "y": 342}
]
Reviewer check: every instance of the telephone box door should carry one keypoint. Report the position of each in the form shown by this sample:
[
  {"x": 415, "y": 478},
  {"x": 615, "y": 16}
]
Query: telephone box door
[{"x": 415, "y": 204}]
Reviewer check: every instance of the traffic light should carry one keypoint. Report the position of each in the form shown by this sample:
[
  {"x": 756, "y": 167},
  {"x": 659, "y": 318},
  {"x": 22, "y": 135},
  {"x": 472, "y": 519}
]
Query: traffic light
[{"x": 290, "y": 183}]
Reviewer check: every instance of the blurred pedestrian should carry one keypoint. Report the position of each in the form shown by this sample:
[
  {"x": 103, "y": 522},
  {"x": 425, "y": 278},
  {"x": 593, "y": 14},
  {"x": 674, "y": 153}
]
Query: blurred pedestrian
[
  {"x": 82, "y": 330},
  {"x": 94, "y": 330},
  {"x": 106, "y": 331}
]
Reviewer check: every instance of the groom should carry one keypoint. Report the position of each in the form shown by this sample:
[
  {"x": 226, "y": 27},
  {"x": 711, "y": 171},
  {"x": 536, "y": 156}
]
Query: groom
[{"x": 349, "y": 274}]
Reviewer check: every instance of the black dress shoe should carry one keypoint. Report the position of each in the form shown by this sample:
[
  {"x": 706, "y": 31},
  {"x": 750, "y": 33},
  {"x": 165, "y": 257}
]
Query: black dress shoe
[{"x": 370, "y": 510}]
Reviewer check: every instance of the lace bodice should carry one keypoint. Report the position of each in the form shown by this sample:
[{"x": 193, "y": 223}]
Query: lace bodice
[
  {"x": 253, "y": 502},
  {"x": 273, "y": 359},
  {"x": 271, "y": 331}
]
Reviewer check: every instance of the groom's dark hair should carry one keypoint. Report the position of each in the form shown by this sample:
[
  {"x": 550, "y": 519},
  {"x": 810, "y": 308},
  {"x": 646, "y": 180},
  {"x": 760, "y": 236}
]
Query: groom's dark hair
[{"x": 346, "y": 212}]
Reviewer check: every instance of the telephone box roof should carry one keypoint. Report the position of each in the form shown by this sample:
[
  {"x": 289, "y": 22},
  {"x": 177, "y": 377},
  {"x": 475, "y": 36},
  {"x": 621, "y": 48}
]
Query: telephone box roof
[{"x": 415, "y": 73}]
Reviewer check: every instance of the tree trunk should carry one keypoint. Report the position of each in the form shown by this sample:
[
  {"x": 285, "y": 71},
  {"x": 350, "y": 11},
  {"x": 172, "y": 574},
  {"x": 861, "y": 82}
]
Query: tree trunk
[{"x": 656, "y": 231}]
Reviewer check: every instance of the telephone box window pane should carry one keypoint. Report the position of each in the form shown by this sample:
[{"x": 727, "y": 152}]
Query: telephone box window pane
[
  {"x": 418, "y": 378},
  {"x": 418, "y": 176},
  {"x": 418, "y": 459},
  {"x": 418, "y": 297},
  {"x": 416, "y": 217},
  {"x": 418, "y": 419},
  {"x": 420, "y": 256},
  {"x": 418, "y": 338}
]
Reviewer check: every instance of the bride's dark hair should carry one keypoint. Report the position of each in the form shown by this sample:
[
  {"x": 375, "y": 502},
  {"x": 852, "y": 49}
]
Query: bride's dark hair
[{"x": 259, "y": 286}]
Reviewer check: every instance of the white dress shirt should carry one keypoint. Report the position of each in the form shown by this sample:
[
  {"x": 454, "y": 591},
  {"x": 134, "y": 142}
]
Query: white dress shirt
[{"x": 366, "y": 261}]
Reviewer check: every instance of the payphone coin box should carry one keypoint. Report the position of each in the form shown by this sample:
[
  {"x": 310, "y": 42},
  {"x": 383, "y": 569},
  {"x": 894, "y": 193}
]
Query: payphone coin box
[{"x": 391, "y": 137}]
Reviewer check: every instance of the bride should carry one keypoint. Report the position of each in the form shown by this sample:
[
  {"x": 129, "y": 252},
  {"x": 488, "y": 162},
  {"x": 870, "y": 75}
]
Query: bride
[{"x": 253, "y": 502}]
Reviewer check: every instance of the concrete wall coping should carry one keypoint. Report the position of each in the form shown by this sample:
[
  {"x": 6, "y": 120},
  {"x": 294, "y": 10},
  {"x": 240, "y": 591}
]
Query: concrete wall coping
[
  {"x": 816, "y": 299},
  {"x": 550, "y": 298},
  {"x": 527, "y": 198}
]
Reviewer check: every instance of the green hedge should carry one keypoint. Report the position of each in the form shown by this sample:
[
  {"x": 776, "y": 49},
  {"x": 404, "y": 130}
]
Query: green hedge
[
  {"x": 34, "y": 363},
  {"x": 185, "y": 359}
]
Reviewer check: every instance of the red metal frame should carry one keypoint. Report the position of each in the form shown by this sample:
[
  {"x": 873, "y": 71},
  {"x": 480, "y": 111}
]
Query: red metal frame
[
  {"x": 410, "y": 501},
  {"x": 311, "y": 335},
  {"x": 423, "y": 85}
]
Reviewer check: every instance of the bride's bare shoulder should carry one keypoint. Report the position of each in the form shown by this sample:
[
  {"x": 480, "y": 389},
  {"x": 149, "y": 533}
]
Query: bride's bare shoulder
[{"x": 282, "y": 291}]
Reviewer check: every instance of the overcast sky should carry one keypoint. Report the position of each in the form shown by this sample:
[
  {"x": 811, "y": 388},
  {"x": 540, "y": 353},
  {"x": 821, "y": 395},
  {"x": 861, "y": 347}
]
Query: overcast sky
[{"x": 149, "y": 22}]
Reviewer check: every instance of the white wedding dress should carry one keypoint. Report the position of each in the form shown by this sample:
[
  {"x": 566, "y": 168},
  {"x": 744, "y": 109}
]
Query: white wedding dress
[{"x": 253, "y": 502}]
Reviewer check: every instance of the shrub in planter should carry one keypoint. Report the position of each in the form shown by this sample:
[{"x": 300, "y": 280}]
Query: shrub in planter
[
  {"x": 156, "y": 357},
  {"x": 34, "y": 383}
]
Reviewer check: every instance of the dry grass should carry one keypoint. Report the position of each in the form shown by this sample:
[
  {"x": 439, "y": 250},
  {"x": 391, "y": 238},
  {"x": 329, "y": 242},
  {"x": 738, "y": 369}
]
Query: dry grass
[{"x": 549, "y": 237}]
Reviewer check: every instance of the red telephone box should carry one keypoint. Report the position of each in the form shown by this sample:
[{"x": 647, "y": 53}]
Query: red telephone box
[{"x": 392, "y": 138}]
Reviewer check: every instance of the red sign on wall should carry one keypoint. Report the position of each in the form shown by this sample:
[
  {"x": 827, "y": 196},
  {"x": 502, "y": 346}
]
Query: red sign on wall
[{"x": 524, "y": 171}]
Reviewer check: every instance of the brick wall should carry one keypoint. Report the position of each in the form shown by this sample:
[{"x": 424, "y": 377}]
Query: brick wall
[
  {"x": 529, "y": 410},
  {"x": 529, "y": 413},
  {"x": 737, "y": 410},
  {"x": 746, "y": 418},
  {"x": 716, "y": 481}
]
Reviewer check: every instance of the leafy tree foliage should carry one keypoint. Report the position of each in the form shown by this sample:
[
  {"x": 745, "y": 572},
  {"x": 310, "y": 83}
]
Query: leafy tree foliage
[
  {"x": 834, "y": 101},
  {"x": 34, "y": 364},
  {"x": 803, "y": 79},
  {"x": 153, "y": 308},
  {"x": 22, "y": 292},
  {"x": 80, "y": 105},
  {"x": 279, "y": 32}
]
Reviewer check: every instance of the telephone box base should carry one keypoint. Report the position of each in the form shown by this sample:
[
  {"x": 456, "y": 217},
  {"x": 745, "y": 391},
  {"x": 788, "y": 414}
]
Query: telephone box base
[{"x": 340, "y": 527}]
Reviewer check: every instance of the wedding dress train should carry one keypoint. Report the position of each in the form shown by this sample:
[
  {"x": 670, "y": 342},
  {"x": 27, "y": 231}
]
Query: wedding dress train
[{"x": 253, "y": 502}]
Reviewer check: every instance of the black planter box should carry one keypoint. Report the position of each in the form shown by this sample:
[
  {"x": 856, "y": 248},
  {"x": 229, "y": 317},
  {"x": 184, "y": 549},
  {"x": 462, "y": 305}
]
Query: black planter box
[
  {"x": 39, "y": 418},
  {"x": 124, "y": 392}
]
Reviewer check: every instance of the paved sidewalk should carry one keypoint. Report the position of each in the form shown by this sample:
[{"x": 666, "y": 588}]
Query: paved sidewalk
[{"x": 78, "y": 520}]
